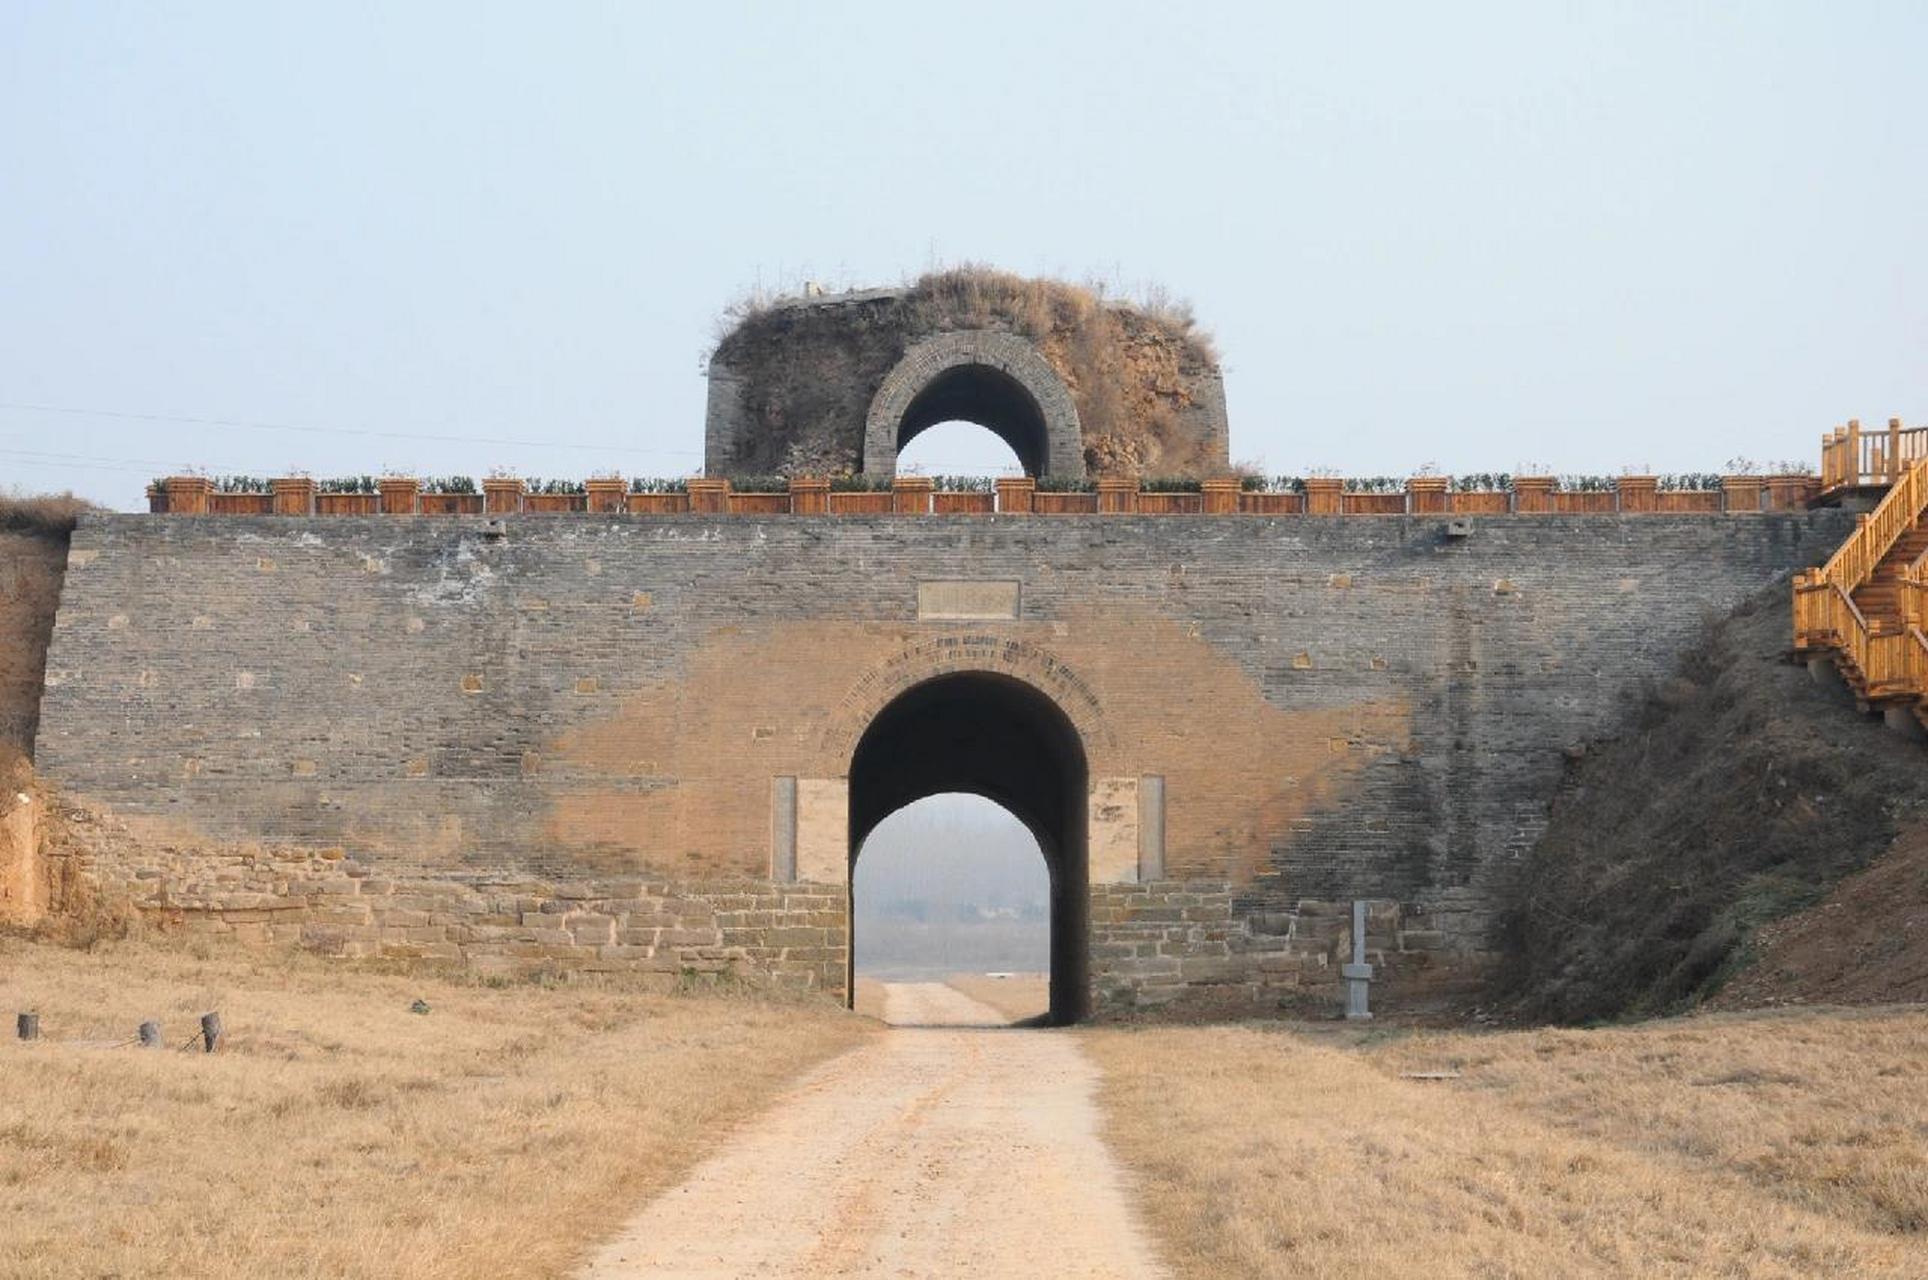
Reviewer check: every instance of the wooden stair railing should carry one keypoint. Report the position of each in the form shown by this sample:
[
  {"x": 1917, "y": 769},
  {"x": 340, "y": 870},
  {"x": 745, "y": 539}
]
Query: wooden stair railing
[
  {"x": 1880, "y": 661},
  {"x": 1914, "y": 660},
  {"x": 1853, "y": 458},
  {"x": 1912, "y": 593}
]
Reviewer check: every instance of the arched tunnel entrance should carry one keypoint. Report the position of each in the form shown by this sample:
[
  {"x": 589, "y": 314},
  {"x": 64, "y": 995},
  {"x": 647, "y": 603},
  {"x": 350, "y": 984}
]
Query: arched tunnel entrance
[{"x": 994, "y": 736}]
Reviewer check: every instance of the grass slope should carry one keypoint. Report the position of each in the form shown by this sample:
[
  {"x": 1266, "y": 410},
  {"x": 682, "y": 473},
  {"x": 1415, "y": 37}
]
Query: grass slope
[{"x": 1741, "y": 791}]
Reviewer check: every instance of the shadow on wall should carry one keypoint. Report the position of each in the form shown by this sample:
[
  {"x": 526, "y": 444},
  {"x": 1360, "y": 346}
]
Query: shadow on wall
[{"x": 33, "y": 565}]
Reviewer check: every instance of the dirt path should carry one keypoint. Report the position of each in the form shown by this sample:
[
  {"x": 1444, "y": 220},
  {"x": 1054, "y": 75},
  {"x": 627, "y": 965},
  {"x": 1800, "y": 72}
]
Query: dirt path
[{"x": 953, "y": 1146}]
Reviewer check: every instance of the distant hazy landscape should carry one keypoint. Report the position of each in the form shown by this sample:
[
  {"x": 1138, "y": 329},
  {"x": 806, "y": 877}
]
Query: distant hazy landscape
[{"x": 951, "y": 884}]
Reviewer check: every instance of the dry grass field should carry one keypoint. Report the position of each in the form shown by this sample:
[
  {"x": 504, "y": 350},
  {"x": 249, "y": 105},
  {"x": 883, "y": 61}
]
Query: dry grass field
[
  {"x": 339, "y": 1134},
  {"x": 1785, "y": 1144}
]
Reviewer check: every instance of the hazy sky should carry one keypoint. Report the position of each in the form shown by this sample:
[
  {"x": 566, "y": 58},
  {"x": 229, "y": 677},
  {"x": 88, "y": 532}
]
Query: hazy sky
[
  {"x": 1649, "y": 235},
  {"x": 948, "y": 851}
]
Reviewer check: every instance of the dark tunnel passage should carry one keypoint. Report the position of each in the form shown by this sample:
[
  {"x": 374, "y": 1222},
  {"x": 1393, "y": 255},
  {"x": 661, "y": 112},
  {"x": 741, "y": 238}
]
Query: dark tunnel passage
[{"x": 997, "y": 737}]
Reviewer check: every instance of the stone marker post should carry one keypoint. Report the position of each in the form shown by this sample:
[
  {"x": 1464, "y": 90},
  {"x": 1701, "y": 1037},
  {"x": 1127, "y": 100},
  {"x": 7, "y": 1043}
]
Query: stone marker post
[{"x": 1358, "y": 974}]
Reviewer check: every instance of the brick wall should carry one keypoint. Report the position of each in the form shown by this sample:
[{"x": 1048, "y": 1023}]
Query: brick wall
[{"x": 1337, "y": 709}]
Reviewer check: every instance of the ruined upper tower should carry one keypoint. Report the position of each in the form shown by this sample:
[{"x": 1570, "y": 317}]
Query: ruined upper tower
[{"x": 1077, "y": 385}]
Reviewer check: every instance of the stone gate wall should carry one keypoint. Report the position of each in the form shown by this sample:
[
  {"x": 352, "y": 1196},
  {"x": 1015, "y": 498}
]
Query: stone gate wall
[{"x": 520, "y": 711}]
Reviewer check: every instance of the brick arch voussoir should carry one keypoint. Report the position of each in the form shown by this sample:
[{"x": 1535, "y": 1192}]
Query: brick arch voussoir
[
  {"x": 1006, "y": 352},
  {"x": 1021, "y": 660}
]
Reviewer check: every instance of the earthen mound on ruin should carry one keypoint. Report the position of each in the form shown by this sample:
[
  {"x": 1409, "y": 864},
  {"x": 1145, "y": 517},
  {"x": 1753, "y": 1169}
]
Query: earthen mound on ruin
[{"x": 802, "y": 373}]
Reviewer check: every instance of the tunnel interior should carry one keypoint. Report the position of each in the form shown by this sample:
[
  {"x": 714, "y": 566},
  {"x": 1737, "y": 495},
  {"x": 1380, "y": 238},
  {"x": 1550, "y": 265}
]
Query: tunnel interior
[
  {"x": 988, "y": 397},
  {"x": 997, "y": 737}
]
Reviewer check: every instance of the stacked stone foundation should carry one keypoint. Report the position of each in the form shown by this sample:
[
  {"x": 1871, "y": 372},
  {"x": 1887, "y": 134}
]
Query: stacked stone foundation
[
  {"x": 325, "y": 901},
  {"x": 1192, "y": 945},
  {"x": 1175, "y": 946}
]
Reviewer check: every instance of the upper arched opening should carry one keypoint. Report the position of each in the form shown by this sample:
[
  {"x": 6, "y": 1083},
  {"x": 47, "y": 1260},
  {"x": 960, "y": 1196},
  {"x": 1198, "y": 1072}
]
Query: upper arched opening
[
  {"x": 989, "y": 398},
  {"x": 989, "y": 377}
]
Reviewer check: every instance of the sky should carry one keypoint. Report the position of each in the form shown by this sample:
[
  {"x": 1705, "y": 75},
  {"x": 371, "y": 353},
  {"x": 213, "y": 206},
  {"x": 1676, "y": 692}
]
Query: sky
[
  {"x": 948, "y": 851},
  {"x": 951, "y": 883},
  {"x": 446, "y": 238}
]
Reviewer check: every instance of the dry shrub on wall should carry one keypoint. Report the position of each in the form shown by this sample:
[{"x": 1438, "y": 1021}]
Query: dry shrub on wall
[
  {"x": 43, "y": 513},
  {"x": 807, "y": 371},
  {"x": 1125, "y": 365}
]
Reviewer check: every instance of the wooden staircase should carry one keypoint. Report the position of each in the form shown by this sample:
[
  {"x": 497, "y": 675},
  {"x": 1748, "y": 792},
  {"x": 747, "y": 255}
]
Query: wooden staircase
[
  {"x": 1865, "y": 608},
  {"x": 1880, "y": 598}
]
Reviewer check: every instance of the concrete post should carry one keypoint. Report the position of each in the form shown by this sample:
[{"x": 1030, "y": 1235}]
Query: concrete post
[{"x": 1358, "y": 974}]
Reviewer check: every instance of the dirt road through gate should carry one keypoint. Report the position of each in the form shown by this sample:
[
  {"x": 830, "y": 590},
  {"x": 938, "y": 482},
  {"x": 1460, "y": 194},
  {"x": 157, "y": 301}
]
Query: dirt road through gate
[{"x": 954, "y": 1146}]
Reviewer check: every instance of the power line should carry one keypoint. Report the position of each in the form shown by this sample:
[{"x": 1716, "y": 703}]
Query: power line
[
  {"x": 83, "y": 462},
  {"x": 369, "y": 432}
]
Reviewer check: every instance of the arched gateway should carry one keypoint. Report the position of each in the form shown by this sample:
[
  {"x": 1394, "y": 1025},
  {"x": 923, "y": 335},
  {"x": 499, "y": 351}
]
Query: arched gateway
[
  {"x": 996, "y": 380},
  {"x": 989, "y": 734}
]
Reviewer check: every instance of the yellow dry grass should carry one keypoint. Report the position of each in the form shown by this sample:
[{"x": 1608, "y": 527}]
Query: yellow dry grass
[
  {"x": 1733, "y": 1145},
  {"x": 339, "y": 1134}
]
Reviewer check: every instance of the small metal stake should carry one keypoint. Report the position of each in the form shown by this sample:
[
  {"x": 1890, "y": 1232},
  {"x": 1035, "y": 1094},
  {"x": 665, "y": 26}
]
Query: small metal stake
[
  {"x": 1358, "y": 974},
  {"x": 150, "y": 1034},
  {"x": 27, "y": 1025}
]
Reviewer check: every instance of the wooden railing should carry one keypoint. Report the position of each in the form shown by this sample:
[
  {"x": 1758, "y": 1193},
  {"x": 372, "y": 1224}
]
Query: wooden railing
[
  {"x": 1855, "y": 562},
  {"x": 1881, "y": 664},
  {"x": 915, "y": 495},
  {"x": 1853, "y": 458},
  {"x": 1883, "y": 659},
  {"x": 1914, "y": 660},
  {"x": 1912, "y": 592}
]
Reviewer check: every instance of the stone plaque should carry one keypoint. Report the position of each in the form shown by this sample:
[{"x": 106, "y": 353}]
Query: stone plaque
[
  {"x": 1113, "y": 830},
  {"x": 823, "y": 830},
  {"x": 959, "y": 600}
]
